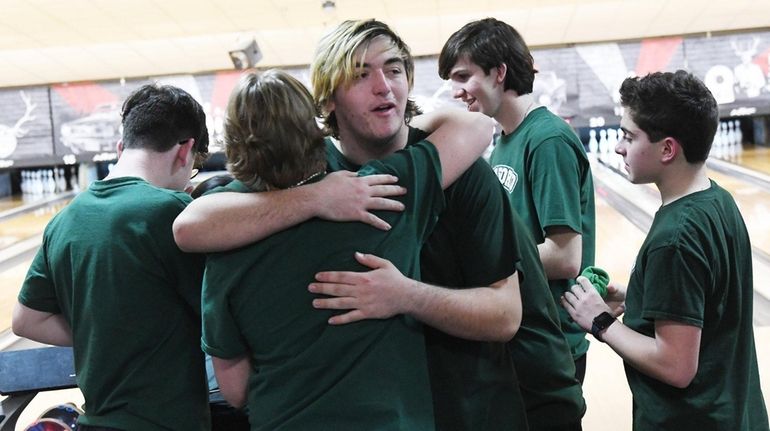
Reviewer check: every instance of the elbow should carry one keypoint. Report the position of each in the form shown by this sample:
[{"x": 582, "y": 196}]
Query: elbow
[
  {"x": 183, "y": 234},
  {"x": 507, "y": 327},
  {"x": 565, "y": 269},
  {"x": 18, "y": 322},
  {"x": 234, "y": 398},
  {"x": 680, "y": 376}
]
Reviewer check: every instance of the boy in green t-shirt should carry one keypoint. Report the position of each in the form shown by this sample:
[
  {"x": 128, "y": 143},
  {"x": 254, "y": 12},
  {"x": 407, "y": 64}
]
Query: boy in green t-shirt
[
  {"x": 686, "y": 339},
  {"x": 270, "y": 347},
  {"x": 109, "y": 280},
  {"x": 547, "y": 178}
]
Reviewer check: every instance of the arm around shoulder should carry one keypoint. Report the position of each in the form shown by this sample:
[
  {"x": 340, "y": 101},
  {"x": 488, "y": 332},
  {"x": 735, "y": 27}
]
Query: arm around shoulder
[{"x": 460, "y": 138}]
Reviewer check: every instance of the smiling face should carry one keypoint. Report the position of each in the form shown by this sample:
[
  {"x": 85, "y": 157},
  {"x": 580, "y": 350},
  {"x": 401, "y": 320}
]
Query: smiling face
[
  {"x": 481, "y": 92},
  {"x": 370, "y": 108},
  {"x": 642, "y": 158}
]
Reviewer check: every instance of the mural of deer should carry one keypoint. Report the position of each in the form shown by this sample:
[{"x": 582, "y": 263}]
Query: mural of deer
[{"x": 9, "y": 135}]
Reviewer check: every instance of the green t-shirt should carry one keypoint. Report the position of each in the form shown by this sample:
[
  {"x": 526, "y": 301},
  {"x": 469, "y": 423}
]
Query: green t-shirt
[
  {"x": 544, "y": 168},
  {"x": 110, "y": 266},
  {"x": 695, "y": 267},
  {"x": 478, "y": 240},
  {"x": 306, "y": 373}
]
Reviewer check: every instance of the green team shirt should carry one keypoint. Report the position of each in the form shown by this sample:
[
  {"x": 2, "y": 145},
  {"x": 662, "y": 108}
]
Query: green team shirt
[
  {"x": 473, "y": 384},
  {"x": 306, "y": 373},
  {"x": 109, "y": 264},
  {"x": 544, "y": 168},
  {"x": 695, "y": 267}
]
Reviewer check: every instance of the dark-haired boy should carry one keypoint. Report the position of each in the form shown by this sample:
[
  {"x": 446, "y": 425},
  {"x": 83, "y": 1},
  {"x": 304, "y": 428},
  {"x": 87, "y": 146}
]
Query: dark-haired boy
[
  {"x": 686, "y": 339},
  {"x": 545, "y": 172},
  {"x": 110, "y": 281}
]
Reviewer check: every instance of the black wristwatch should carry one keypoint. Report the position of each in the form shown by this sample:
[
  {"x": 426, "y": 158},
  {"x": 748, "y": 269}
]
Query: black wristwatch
[{"x": 601, "y": 322}]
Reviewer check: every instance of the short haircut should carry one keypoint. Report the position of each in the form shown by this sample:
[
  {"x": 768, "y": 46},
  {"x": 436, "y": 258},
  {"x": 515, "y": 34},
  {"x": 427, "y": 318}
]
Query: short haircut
[
  {"x": 272, "y": 138},
  {"x": 158, "y": 117},
  {"x": 674, "y": 104},
  {"x": 490, "y": 43},
  {"x": 334, "y": 63}
]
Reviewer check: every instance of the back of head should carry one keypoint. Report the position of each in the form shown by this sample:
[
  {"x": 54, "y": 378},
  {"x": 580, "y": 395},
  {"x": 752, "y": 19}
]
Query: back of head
[
  {"x": 675, "y": 104},
  {"x": 335, "y": 64},
  {"x": 272, "y": 139},
  {"x": 490, "y": 43},
  {"x": 157, "y": 118}
]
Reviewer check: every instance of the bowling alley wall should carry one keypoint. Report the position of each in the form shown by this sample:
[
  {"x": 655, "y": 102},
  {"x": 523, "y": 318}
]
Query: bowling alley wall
[{"x": 72, "y": 123}]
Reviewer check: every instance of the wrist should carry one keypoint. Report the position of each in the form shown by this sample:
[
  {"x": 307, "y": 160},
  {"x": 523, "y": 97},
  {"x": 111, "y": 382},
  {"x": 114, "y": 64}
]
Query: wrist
[{"x": 600, "y": 324}]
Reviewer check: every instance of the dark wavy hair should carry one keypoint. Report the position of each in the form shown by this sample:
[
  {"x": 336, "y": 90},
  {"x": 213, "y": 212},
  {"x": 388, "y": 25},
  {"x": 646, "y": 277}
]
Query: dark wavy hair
[
  {"x": 490, "y": 43},
  {"x": 673, "y": 104},
  {"x": 159, "y": 117}
]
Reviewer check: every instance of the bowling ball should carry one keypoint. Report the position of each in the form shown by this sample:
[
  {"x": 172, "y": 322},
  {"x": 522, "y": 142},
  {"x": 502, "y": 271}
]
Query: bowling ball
[
  {"x": 66, "y": 413},
  {"x": 48, "y": 424}
]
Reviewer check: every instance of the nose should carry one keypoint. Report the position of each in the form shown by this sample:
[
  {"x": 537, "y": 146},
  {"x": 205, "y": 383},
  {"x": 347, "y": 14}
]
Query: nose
[
  {"x": 458, "y": 93},
  {"x": 380, "y": 84},
  {"x": 619, "y": 148}
]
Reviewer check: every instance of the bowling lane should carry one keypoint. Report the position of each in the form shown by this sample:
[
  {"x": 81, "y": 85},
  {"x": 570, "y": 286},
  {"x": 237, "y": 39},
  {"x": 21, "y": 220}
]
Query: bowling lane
[
  {"x": 754, "y": 157},
  {"x": 12, "y": 202},
  {"x": 754, "y": 203},
  {"x": 11, "y": 279}
]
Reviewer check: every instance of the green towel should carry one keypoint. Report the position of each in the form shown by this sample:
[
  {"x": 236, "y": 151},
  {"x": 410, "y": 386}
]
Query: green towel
[{"x": 599, "y": 278}]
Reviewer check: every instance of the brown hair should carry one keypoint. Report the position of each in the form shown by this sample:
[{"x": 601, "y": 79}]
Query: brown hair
[{"x": 272, "y": 138}]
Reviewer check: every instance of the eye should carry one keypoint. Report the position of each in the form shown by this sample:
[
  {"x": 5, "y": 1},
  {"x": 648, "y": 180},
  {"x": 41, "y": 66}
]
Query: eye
[{"x": 460, "y": 77}]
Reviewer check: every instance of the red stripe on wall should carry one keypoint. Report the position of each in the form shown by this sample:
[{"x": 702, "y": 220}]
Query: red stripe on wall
[
  {"x": 656, "y": 54},
  {"x": 84, "y": 98}
]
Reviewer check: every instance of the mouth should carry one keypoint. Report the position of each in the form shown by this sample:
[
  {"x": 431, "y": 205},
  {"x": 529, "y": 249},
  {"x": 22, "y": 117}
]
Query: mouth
[
  {"x": 384, "y": 108},
  {"x": 469, "y": 102}
]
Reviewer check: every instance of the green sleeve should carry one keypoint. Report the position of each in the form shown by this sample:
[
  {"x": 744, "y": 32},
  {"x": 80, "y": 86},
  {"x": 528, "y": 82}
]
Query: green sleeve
[
  {"x": 555, "y": 179},
  {"x": 38, "y": 291}
]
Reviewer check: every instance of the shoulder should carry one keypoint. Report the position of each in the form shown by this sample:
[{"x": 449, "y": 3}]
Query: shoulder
[{"x": 546, "y": 127}]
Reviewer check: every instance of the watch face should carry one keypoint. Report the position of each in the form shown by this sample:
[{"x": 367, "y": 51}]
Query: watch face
[{"x": 600, "y": 323}]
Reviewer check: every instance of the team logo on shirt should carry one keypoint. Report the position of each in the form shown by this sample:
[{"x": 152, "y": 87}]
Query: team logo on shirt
[{"x": 507, "y": 176}]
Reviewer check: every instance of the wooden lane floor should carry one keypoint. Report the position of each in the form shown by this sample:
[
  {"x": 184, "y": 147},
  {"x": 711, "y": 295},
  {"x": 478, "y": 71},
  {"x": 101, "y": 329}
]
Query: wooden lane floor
[
  {"x": 606, "y": 390},
  {"x": 754, "y": 157},
  {"x": 19, "y": 238}
]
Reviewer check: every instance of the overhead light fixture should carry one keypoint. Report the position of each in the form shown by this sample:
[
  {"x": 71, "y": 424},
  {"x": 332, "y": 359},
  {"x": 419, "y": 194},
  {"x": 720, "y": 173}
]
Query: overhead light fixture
[
  {"x": 246, "y": 53},
  {"x": 328, "y": 6}
]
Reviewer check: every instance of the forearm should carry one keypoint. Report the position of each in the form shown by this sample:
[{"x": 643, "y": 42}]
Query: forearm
[
  {"x": 491, "y": 313},
  {"x": 561, "y": 254},
  {"x": 233, "y": 377},
  {"x": 648, "y": 355},
  {"x": 224, "y": 221},
  {"x": 42, "y": 327}
]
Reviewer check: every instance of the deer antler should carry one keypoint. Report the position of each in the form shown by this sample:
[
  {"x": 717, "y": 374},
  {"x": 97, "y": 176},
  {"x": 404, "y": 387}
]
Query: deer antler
[{"x": 19, "y": 132}]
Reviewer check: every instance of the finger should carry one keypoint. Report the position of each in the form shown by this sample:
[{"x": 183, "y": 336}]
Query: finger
[
  {"x": 370, "y": 260},
  {"x": 345, "y": 303},
  {"x": 566, "y": 304},
  {"x": 379, "y": 179},
  {"x": 330, "y": 284},
  {"x": 349, "y": 317},
  {"x": 374, "y": 221},
  {"x": 385, "y": 191},
  {"x": 384, "y": 204}
]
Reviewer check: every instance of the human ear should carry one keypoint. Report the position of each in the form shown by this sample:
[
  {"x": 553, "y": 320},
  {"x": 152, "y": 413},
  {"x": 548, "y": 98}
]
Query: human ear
[
  {"x": 501, "y": 70},
  {"x": 670, "y": 149}
]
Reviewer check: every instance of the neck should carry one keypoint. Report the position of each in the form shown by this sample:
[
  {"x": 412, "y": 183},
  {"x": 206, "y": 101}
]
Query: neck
[
  {"x": 155, "y": 168},
  {"x": 685, "y": 181},
  {"x": 513, "y": 110},
  {"x": 360, "y": 151}
]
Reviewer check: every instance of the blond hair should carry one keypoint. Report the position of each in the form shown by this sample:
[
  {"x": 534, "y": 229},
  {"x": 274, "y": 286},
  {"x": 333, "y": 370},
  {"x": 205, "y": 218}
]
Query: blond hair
[{"x": 335, "y": 64}]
